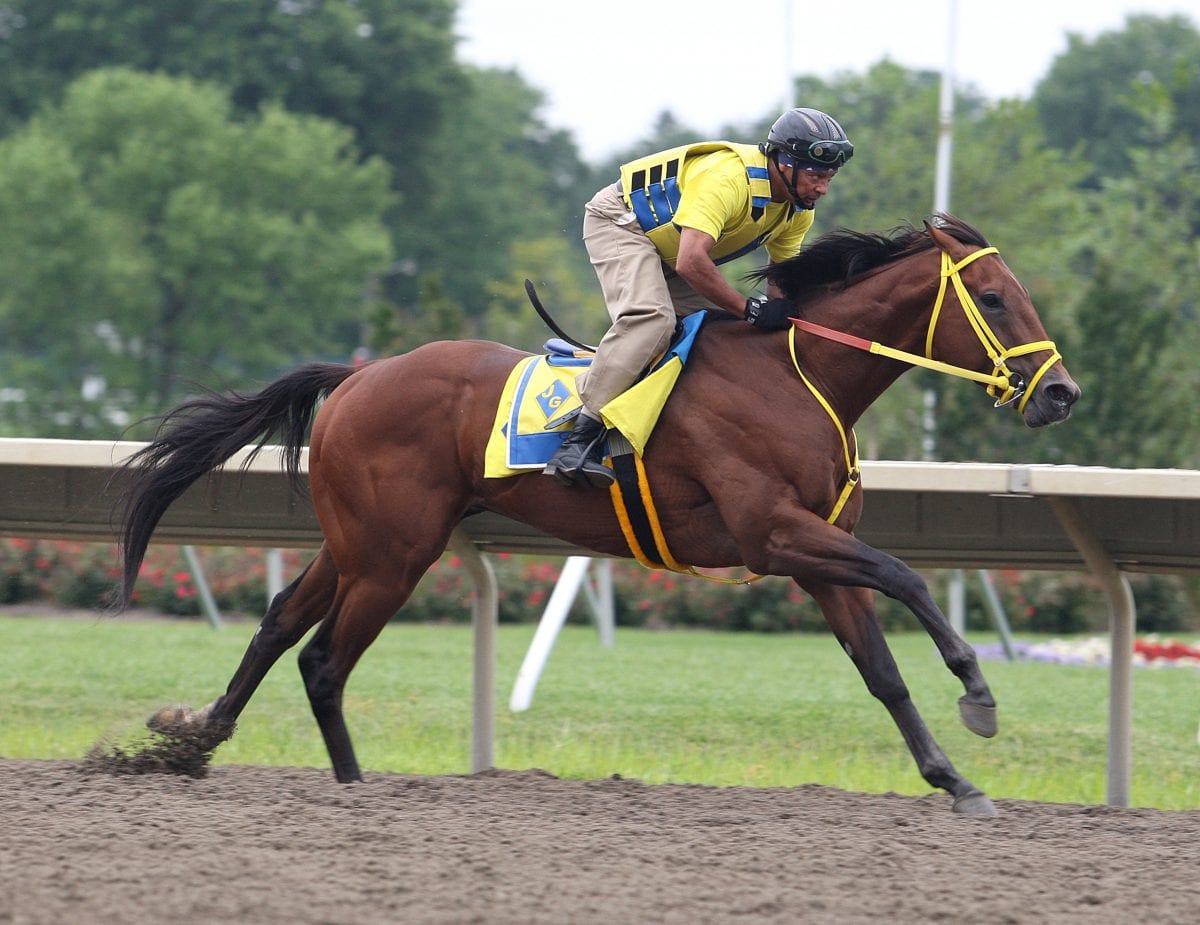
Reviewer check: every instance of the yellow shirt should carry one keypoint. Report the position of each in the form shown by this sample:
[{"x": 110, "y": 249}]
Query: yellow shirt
[{"x": 718, "y": 188}]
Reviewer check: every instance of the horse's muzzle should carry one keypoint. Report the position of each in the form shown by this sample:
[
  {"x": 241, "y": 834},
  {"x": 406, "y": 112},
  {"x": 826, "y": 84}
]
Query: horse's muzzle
[{"x": 1052, "y": 400}]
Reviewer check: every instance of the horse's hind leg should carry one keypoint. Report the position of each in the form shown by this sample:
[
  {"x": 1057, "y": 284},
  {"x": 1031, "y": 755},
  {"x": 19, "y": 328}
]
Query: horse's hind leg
[
  {"x": 294, "y": 610},
  {"x": 851, "y": 616},
  {"x": 364, "y": 605}
]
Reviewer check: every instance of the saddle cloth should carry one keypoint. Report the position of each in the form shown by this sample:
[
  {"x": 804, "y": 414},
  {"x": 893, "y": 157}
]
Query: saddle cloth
[{"x": 541, "y": 390}]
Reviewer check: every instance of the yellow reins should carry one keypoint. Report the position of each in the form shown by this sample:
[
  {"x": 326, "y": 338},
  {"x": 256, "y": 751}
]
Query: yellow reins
[{"x": 1002, "y": 384}]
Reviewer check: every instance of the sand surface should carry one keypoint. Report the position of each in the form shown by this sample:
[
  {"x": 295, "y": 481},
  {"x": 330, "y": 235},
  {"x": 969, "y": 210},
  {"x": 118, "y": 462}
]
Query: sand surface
[{"x": 289, "y": 845}]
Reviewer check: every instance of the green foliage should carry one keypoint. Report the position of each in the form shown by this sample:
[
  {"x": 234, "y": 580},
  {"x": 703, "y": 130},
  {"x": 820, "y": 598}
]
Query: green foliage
[
  {"x": 194, "y": 246},
  {"x": 473, "y": 166},
  {"x": 386, "y": 70},
  {"x": 504, "y": 176},
  {"x": 1090, "y": 99}
]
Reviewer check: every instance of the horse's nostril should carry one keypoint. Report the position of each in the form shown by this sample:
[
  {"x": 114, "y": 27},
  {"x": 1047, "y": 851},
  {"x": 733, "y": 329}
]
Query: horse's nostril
[{"x": 1062, "y": 394}]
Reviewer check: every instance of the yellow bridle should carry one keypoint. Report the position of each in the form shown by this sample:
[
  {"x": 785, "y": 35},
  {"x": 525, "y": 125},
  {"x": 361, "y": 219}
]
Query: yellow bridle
[{"x": 1004, "y": 385}]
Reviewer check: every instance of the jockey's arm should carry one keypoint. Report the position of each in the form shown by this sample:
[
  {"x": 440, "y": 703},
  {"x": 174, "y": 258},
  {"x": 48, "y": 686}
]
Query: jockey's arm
[{"x": 695, "y": 264}]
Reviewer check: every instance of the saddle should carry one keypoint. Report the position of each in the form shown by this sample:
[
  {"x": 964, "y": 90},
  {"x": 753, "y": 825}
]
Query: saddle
[{"x": 540, "y": 401}]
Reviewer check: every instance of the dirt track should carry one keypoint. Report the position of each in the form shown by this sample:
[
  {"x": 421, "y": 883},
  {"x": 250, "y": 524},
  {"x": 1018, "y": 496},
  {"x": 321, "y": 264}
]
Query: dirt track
[{"x": 266, "y": 845}]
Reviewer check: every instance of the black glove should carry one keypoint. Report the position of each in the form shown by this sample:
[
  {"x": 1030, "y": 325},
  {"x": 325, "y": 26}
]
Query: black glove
[{"x": 770, "y": 314}]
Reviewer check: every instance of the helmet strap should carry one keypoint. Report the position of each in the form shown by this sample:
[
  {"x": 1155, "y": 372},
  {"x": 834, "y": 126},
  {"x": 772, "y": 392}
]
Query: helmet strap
[{"x": 789, "y": 181}]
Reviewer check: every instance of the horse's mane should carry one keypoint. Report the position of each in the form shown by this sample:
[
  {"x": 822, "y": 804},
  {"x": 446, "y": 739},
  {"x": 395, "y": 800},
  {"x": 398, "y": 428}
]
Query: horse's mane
[{"x": 839, "y": 256}]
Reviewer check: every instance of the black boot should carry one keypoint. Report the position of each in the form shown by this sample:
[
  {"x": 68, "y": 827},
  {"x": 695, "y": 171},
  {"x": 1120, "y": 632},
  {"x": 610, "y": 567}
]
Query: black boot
[{"x": 581, "y": 456}]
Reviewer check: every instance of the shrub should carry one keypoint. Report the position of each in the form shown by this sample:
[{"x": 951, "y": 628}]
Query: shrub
[{"x": 85, "y": 575}]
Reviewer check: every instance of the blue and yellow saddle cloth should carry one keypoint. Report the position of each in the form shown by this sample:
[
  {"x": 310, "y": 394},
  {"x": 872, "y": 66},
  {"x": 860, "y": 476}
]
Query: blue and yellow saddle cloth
[{"x": 541, "y": 390}]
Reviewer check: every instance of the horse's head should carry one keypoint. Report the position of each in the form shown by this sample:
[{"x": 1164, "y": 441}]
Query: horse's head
[{"x": 983, "y": 311}]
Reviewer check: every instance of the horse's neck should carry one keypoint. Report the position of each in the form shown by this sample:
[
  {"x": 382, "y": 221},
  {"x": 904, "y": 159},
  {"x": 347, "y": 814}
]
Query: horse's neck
[{"x": 884, "y": 308}]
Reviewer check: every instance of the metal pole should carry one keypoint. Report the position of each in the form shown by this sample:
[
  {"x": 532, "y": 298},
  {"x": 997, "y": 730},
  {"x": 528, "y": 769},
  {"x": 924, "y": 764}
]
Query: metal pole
[
  {"x": 999, "y": 617},
  {"x": 1122, "y": 619},
  {"x": 957, "y": 604},
  {"x": 941, "y": 183},
  {"x": 484, "y": 615},
  {"x": 573, "y": 576},
  {"x": 207, "y": 602},
  {"x": 274, "y": 573},
  {"x": 789, "y": 46}
]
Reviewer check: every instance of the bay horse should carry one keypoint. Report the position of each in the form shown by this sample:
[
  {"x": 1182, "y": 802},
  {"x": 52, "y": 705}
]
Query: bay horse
[{"x": 749, "y": 463}]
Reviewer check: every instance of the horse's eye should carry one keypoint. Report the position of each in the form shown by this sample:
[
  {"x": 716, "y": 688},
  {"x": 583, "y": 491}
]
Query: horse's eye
[{"x": 991, "y": 300}]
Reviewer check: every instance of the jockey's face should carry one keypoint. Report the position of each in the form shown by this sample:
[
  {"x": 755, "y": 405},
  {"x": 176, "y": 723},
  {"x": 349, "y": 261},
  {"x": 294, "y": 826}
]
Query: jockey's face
[
  {"x": 811, "y": 183},
  {"x": 802, "y": 184}
]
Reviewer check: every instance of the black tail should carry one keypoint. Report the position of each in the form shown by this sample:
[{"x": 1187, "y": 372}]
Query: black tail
[{"x": 201, "y": 434}]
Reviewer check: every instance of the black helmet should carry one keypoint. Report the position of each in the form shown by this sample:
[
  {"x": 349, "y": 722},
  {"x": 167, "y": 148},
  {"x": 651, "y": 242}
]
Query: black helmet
[{"x": 809, "y": 136}]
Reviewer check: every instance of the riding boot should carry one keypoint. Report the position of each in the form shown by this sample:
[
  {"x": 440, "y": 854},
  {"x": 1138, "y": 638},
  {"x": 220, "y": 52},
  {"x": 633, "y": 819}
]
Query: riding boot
[{"x": 581, "y": 456}]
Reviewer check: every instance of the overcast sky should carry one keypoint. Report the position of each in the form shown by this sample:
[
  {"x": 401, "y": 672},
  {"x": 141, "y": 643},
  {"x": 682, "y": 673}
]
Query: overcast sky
[{"x": 609, "y": 68}]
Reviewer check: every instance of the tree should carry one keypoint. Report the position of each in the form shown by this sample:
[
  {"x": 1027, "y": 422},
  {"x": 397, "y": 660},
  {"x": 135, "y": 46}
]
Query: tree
[
  {"x": 1088, "y": 99},
  {"x": 192, "y": 245},
  {"x": 1136, "y": 341},
  {"x": 505, "y": 177},
  {"x": 384, "y": 69}
]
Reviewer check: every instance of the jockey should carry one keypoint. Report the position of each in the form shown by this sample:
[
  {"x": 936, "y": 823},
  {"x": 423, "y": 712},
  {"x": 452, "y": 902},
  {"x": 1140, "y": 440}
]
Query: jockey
[{"x": 656, "y": 236}]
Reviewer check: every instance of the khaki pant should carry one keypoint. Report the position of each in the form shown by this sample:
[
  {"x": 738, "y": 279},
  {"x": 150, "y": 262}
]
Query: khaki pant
[{"x": 642, "y": 302}]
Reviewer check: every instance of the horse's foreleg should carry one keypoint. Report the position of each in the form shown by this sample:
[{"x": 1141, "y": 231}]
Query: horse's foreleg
[
  {"x": 851, "y": 616},
  {"x": 976, "y": 707},
  {"x": 815, "y": 551},
  {"x": 290, "y": 615}
]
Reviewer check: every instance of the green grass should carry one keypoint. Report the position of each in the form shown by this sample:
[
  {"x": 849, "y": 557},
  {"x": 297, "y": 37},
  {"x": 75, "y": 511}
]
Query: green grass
[{"x": 705, "y": 708}]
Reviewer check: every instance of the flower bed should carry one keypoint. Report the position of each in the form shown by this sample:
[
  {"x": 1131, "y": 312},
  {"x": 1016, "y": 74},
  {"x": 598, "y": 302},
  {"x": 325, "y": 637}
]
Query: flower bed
[
  {"x": 84, "y": 575},
  {"x": 1148, "y": 652}
]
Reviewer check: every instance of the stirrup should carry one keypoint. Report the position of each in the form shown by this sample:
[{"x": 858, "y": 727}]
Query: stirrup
[{"x": 577, "y": 458}]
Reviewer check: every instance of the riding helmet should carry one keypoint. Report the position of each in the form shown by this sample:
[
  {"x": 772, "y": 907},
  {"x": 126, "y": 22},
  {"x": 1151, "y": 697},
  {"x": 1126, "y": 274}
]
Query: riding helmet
[{"x": 809, "y": 136}]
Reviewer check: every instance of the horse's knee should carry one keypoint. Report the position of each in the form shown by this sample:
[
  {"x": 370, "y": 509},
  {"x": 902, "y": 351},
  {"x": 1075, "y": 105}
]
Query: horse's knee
[{"x": 274, "y": 637}]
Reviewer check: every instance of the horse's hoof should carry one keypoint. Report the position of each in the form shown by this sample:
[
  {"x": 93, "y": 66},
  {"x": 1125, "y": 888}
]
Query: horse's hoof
[
  {"x": 980, "y": 719},
  {"x": 175, "y": 717},
  {"x": 975, "y": 804},
  {"x": 168, "y": 717}
]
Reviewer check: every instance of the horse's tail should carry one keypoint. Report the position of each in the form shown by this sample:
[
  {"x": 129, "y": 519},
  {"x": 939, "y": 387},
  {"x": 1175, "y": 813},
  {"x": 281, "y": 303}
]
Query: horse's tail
[{"x": 202, "y": 434}]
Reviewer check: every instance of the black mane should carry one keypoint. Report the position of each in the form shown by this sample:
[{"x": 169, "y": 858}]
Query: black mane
[{"x": 839, "y": 256}]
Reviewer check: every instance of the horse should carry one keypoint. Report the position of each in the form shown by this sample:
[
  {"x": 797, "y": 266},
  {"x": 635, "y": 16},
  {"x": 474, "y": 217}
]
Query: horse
[{"x": 752, "y": 463}]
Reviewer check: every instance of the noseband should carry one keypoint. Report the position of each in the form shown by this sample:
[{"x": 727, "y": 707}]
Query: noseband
[{"x": 1002, "y": 383}]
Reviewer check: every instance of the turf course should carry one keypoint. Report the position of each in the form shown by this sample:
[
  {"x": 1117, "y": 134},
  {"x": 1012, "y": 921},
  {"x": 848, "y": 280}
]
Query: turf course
[{"x": 685, "y": 707}]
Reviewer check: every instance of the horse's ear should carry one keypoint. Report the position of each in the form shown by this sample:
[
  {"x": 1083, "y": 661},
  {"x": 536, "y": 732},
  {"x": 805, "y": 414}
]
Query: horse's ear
[{"x": 946, "y": 242}]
